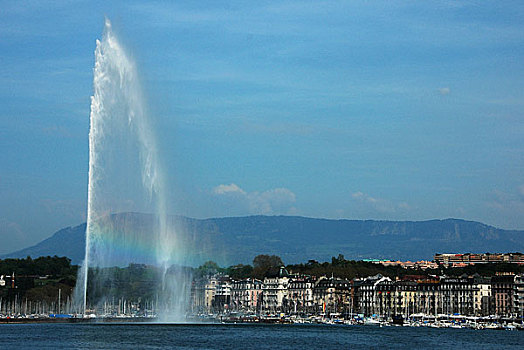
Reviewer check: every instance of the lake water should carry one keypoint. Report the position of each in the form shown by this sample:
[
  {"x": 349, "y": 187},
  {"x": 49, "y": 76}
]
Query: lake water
[{"x": 213, "y": 336}]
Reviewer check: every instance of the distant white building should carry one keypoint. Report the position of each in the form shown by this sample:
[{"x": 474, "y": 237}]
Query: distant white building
[
  {"x": 274, "y": 292},
  {"x": 222, "y": 298},
  {"x": 482, "y": 296},
  {"x": 518, "y": 295}
]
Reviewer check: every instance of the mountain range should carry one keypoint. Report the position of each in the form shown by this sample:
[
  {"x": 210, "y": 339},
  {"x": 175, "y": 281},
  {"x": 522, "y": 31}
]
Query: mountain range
[{"x": 234, "y": 240}]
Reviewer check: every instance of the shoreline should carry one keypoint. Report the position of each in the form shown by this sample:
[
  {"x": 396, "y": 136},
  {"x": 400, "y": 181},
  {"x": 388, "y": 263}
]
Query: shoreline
[{"x": 481, "y": 325}]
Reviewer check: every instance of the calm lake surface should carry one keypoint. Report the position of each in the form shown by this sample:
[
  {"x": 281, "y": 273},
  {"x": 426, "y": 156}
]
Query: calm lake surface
[{"x": 212, "y": 336}]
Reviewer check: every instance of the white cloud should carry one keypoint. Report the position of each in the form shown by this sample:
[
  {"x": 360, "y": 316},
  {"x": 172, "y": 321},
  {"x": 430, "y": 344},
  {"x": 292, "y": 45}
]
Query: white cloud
[
  {"x": 444, "y": 90},
  {"x": 228, "y": 189},
  {"x": 357, "y": 195},
  {"x": 273, "y": 201},
  {"x": 380, "y": 204},
  {"x": 277, "y": 200}
]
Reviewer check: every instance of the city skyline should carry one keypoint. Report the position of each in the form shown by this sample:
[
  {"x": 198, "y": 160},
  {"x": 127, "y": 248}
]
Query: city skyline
[{"x": 362, "y": 111}]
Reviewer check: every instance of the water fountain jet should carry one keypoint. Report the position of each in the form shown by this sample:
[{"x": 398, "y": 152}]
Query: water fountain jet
[{"x": 125, "y": 175}]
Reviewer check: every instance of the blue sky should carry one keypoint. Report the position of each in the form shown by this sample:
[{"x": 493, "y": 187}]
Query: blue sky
[{"x": 337, "y": 109}]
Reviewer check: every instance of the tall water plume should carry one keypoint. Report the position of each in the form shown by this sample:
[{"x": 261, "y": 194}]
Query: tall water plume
[{"x": 125, "y": 176}]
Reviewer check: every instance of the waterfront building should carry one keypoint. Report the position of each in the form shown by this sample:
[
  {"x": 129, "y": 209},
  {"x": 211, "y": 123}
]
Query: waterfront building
[
  {"x": 208, "y": 291},
  {"x": 428, "y": 294},
  {"x": 502, "y": 290},
  {"x": 332, "y": 295},
  {"x": 274, "y": 292},
  {"x": 197, "y": 296},
  {"x": 246, "y": 295},
  {"x": 385, "y": 300},
  {"x": 203, "y": 292},
  {"x": 222, "y": 298},
  {"x": 406, "y": 297},
  {"x": 502, "y": 295},
  {"x": 457, "y": 295},
  {"x": 300, "y": 294},
  {"x": 482, "y": 296},
  {"x": 354, "y": 295},
  {"x": 518, "y": 296},
  {"x": 368, "y": 294}
]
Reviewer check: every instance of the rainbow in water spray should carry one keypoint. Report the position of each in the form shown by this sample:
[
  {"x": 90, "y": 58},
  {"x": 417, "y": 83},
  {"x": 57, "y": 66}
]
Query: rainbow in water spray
[{"x": 125, "y": 175}]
